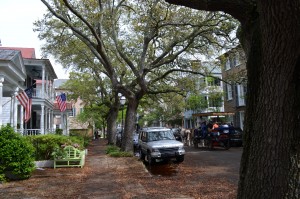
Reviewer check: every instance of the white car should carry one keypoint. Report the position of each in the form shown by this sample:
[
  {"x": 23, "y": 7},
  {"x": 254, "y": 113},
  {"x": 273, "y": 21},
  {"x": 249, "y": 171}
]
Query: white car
[{"x": 159, "y": 143}]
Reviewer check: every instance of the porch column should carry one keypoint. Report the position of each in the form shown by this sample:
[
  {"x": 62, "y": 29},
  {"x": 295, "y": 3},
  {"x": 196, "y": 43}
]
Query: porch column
[
  {"x": 21, "y": 120},
  {"x": 1, "y": 102},
  {"x": 67, "y": 127},
  {"x": 62, "y": 123},
  {"x": 47, "y": 86},
  {"x": 42, "y": 120},
  {"x": 52, "y": 121},
  {"x": 43, "y": 83},
  {"x": 15, "y": 119},
  {"x": 49, "y": 121},
  {"x": 46, "y": 124},
  {"x": 50, "y": 90},
  {"x": 11, "y": 115}
]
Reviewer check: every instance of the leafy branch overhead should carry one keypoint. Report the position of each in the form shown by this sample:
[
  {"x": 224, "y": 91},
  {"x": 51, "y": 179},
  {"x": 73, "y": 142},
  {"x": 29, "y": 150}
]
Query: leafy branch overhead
[
  {"x": 142, "y": 47},
  {"x": 144, "y": 38}
]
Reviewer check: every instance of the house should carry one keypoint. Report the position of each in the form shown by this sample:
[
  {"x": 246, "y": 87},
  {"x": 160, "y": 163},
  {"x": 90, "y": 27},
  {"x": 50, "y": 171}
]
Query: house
[
  {"x": 210, "y": 87},
  {"x": 20, "y": 69},
  {"x": 235, "y": 74},
  {"x": 68, "y": 122}
]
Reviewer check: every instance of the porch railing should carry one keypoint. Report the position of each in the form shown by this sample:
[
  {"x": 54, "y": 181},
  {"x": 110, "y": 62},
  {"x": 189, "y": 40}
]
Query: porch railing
[
  {"x": 26, "y": 132},
  {"x": 31, "y": 132}
]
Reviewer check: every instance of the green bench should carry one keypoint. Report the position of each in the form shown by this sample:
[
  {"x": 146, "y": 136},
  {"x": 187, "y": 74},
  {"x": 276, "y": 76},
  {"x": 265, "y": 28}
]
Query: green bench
[{"x": 74, "y": 158}]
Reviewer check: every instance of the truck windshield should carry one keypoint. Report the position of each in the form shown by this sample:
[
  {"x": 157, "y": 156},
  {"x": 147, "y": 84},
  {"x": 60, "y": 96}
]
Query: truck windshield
[{"x": 160, "y": 135}]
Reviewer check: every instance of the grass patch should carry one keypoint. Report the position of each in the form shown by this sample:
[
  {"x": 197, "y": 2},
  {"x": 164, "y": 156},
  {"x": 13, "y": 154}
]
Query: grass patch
[{"x": 115, "y": 151}]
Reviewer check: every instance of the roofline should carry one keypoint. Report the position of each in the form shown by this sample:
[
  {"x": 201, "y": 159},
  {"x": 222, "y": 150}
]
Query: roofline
[{"x": 213, "y": 114}]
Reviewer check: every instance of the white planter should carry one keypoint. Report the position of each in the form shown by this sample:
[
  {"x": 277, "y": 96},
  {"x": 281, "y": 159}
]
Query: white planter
[{"x": 44, "y": 163}]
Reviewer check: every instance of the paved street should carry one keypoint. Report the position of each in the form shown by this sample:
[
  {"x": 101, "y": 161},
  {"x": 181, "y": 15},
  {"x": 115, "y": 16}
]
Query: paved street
[{"x": 219, "y": 162}]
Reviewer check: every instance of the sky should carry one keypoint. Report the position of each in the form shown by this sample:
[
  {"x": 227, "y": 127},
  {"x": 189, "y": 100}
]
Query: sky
[{"x": 16, "y": 28}]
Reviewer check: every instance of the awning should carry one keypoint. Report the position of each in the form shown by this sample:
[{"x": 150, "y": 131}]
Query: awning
[{"x": 212, "y": 114}]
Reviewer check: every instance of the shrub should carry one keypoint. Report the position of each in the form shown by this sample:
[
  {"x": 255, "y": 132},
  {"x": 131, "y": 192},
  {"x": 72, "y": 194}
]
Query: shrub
[
  {"x": 16, "y": 154},
  {"x": 115, "y": 151},
  {"x": 45, "y": 144},
  {"x": 81, "y": 134},
  {"x": 58, "y": 131}
]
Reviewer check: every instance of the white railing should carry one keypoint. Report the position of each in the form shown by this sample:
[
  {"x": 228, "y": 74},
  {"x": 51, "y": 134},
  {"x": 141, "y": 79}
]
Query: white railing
[
  {"x": 31, "y": 131},
  {"x": 38, "y": 94},
  {"x": 26, "y": 132}
]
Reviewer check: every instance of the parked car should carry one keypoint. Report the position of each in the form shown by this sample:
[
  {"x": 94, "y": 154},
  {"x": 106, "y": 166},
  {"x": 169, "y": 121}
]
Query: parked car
[
  {"x": 135, "y": 141},
  {"x": 159, "y": 143},
  {"x": 236, "y": 137}
]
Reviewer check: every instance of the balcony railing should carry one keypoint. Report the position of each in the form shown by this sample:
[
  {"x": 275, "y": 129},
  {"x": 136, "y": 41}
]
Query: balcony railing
[{"x": 37, "y": 93}]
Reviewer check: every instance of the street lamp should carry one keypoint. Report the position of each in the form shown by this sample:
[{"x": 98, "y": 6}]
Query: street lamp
[{"x": 122, "y": 101}]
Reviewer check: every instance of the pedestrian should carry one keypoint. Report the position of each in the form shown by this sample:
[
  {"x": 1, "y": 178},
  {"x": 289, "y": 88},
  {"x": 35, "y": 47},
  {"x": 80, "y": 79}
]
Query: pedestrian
[
  {"x": 188, "y": 137},
  {"x": 204, "y": 129},
  {"x": 215, "y": 125},
  {"x": 209, "y": 126},
  {"x": 96, "y": 134}
]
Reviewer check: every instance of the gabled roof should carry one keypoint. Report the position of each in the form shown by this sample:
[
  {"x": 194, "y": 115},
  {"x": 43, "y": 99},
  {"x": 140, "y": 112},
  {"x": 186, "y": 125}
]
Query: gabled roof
[
  {"x": 59, "y": 82},
  {"x": 8, "y": 54},
  {"x": 28, "y": 53}
]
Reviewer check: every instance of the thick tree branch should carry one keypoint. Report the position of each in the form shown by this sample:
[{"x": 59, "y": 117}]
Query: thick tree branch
[
  {"x": 236, "y": 8},
  {"x": 161, "y": 77}
]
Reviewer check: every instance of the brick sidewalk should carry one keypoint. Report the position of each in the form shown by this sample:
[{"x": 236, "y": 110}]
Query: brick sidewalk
[{"x": 101, "y": 177}]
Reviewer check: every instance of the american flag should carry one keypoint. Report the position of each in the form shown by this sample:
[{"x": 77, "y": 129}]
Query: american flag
[
  {"x": 61, "y": 100},
  {"x": 25, "y": 99}
]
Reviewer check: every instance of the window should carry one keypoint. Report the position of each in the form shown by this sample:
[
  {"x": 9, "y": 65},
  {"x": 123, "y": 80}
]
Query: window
[
  {"x": 211, "y": 81},
  {"x": 229, "y": 91},
  {"x": 242, "y": 116},
  {"x": 227, "y": 64},
  {"x": 202, "y": 83},
  {"x": 74, "y": 111},
  {"x": 237, "y": 59},
  {"x": 215, "y": 102},
  {"x": 241, "y": 93}
]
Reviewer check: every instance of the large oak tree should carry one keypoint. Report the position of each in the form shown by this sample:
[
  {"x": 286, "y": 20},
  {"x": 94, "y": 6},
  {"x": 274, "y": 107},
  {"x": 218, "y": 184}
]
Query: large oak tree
[
  {"x": 270, "y": 36},
  {"x": 140, "y": 44}
]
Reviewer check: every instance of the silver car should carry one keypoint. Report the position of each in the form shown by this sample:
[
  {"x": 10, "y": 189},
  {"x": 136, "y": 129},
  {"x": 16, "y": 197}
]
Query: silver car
[{"x": 159, "y": 143}]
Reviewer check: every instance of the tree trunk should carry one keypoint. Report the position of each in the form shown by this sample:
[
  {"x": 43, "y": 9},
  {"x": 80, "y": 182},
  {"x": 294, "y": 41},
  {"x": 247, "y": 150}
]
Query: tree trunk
[
  {"x": 111, "y": 125},
  {"x": 127, "y": 140},
  {"x": 269, "y": 165},
  {"x": 271, "y": 39}
]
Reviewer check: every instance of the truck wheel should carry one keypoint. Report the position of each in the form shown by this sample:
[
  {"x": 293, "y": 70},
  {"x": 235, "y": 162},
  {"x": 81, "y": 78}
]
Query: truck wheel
[
  {"x": 150, "y": 159},
  {"x": 180, "y": 158},
  {"x": 195, "y": 142},
  {"x": 210, "y": 145},
  {"x": 227, "y": 145},
  {"x": 141, "y": 155}
]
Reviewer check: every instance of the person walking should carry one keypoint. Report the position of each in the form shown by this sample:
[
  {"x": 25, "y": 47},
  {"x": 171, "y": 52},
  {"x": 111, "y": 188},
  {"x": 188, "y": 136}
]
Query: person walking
[{"x": 96, "y": 134}]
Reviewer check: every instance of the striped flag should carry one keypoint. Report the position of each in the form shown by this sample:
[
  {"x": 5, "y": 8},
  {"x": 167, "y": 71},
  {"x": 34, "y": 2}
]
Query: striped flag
[
  {"x": 25, "y": 99},
  {"x": 61, "y": 100}
]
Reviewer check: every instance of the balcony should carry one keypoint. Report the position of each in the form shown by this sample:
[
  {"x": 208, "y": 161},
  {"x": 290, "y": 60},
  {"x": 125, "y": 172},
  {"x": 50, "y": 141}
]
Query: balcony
[{"x": 37, "y": 93}]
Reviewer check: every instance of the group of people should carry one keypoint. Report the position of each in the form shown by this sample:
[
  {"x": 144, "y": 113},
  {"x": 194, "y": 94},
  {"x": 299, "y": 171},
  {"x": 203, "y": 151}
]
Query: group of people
[{"x": 205, "y": 128}]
